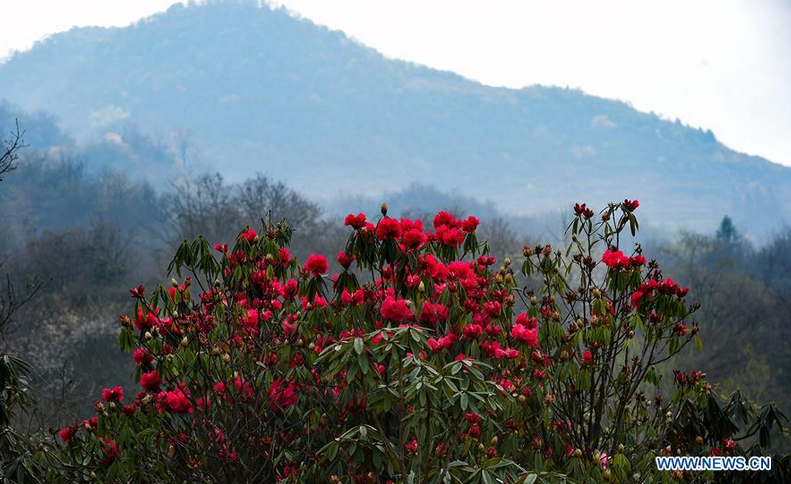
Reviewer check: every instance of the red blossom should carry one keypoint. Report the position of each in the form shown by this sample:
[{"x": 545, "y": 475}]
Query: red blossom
[
  {"x": 115, "y": 394},
  {"x": 388, "y": 229},
  {"x": 150, "y": 381},
  {"x": 355, "y": 221},
  {"x": 317, "y": 265}
]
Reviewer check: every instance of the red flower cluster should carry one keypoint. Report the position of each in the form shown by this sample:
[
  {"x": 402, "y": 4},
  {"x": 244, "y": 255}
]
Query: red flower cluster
[
  {"x": 615, "y": 259},
  {"x": 272, "y": 336},
  {"x": 395, "y": 309},
  {"x": 317, "y": 265},
  {"x": 630, "y": 205},
  {"x": 282, "y": 394},
  {"x": 115, "y": 394}
]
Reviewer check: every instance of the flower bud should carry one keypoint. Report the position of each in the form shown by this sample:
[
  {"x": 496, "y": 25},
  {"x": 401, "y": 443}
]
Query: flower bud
[
  {"x": 384, "y": 209},
  {"x": 699, "y": 440},
  {"x": 226, "y": 358},
  {"x": 596, "y": 292},
  {"x": 620, "y": 448},
  {"x": 148, "y": 335},
  {"x": 495, "y": 440},
  {"x": 185, "y": 342}
]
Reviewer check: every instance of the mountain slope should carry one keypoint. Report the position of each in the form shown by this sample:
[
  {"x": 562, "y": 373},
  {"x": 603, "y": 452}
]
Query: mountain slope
[{"x": 262, "y": 91}]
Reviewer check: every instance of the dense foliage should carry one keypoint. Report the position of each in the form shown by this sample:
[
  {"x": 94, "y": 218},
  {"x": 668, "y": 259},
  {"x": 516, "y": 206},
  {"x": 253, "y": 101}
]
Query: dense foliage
[{"x": 423, "y": 360}]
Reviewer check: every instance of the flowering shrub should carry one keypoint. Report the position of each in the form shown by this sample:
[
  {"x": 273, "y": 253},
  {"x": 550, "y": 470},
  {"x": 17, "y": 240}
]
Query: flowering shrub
[{"x": 422, "y": 361}]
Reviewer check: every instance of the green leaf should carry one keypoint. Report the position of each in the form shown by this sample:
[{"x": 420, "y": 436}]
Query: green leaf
[{"x": 359, "y": 346}]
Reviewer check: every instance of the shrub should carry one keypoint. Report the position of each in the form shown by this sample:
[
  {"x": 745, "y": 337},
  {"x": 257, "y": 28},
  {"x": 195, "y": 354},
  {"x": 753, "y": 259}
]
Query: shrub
[{"x": 422, "y": 361}]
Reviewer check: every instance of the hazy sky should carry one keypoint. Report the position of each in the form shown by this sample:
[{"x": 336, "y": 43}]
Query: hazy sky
[{"x": 724, "y": 65}]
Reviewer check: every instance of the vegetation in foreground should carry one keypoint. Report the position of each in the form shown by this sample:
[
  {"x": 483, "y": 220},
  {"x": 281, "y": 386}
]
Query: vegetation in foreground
[{"x": 423, "y": 360}]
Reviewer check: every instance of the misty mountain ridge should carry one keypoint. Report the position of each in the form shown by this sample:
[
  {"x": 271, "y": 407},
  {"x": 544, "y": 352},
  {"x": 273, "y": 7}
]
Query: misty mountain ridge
[{"x": 239, "y": 88}]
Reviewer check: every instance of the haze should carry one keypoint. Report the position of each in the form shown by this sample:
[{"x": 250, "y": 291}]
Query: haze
[{"x": 717, "y": 65}]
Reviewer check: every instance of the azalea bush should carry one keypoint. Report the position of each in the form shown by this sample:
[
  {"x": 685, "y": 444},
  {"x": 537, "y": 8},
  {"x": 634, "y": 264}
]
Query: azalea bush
[{"x": 422, "y": 360}]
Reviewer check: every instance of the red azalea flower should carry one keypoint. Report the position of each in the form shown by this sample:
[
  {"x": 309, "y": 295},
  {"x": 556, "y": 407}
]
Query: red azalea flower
[
  {"x": 387, "y": 229},
  {"x": 178, "y": 402},
  {"x": 615, "y": 259},
  {"x": 470, "y": 225},
  {"x": 355, "y": 221},
  {"x": 528, "y": 336},
  {"x": 433, "y": 313},
  {"x": 115, "y": 394},
  {"x": 395, "y": 309},
  {"x": 630, "y": 205},
  {"x": 317, "y": 265},
  {"x": 443, "y": 219},
  {"x": 453, "y": 237},
  {"x": 413, "y": 238},
  {"x": 344, "y": 259},
  {"x": 150, "y": 381},
  {"x": 282, "y": 395},
  {"x": 67, "y": 433},
  {"x": 250, "y": 235}
]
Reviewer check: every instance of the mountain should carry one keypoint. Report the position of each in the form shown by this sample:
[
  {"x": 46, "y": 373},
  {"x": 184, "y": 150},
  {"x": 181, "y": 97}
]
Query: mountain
[{"x": 244, "y": 88}]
